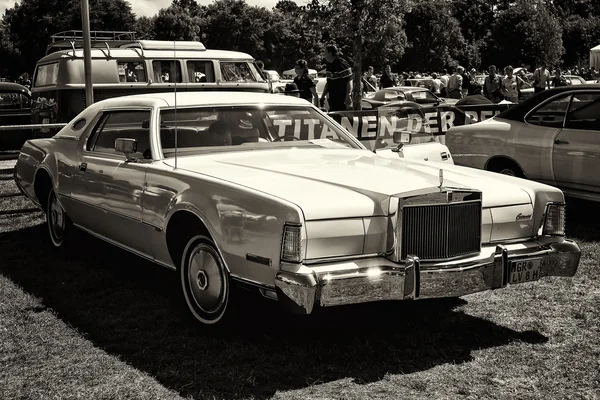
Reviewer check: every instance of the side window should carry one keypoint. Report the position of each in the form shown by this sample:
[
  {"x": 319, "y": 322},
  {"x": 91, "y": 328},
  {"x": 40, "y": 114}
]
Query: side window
[
  {"x": 10, "y": 101},
  {"x": 392, "y": 95},
  {"x": 551, "y": 114},
  {"x": 122, "y": 124},
  {"x": 200, "y": 71},
  {"x": 166, "y": 71},
  {"x": 46, "y": 75},
  {"x": 131, "y": 71},
  {"x": 237, "y": 72},
  {"x": 584, "y": 112}
]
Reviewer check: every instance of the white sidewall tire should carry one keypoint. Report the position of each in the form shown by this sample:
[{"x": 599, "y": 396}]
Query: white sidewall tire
[
  {"x": 55, "y": 211},
  {"x": 204, "y": 244}
]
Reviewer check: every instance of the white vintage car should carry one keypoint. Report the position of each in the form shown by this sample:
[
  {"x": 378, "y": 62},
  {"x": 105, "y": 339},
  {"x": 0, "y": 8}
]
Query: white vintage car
[{"x": 270, "y": 192}]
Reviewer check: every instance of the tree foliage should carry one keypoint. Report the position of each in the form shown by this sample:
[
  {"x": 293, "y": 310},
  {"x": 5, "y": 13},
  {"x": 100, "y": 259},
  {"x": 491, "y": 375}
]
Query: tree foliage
[
  {"x": 434, "y": 37},
  {"x": 408, "y": 34},
  {"x": 526, "y": 34},
  {"x": 29, "y": 25}
]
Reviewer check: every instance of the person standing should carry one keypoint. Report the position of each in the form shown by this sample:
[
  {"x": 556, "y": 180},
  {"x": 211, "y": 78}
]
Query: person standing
[
  {"x": 370, "y": 76},
  {"x": 492, "y": 86},
  {"x": 541, "y": 79},
  {"x": 305, "y": 83},
  {"x": 455, "y": 84},
  {"x": 387, "y": 78},
  {"x": 339, "y": 80},
  {"x": 558, "y": 79},
  {"x": 466, "y": 81},
  {"x": 510, "y": 85}
]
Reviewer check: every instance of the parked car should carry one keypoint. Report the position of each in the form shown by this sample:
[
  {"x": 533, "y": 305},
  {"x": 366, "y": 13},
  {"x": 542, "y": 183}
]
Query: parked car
[
  {"x": 405, "y": 95},
  {"x": 270, "y": 192},
  {"x": 528, "y": 90},
  {"x": 15, "y": 109},
  {"x": 554, "y": 138}
]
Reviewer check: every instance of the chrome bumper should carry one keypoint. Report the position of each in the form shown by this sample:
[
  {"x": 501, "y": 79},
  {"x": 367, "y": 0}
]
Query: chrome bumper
[{"x": 377, "y": 278}]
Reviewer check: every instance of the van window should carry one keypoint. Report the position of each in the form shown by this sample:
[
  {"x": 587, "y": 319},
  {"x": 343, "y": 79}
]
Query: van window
[
  {"x": 166, "y": 71},
  {"x": 201, "y": 71},
  {"x": 237, "y": 72},
  {"x": 131, "y": 71},
  {"x": 46, "y": 75}
]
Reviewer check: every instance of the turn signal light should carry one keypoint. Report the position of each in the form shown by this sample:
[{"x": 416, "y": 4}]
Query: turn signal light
[
  {"x": 554, "y": 224},
  {"x": 291, "y": 243}
]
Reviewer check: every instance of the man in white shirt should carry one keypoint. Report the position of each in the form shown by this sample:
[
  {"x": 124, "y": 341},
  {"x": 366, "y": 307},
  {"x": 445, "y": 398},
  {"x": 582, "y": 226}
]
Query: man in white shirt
[{"x": 541, "y": 79}]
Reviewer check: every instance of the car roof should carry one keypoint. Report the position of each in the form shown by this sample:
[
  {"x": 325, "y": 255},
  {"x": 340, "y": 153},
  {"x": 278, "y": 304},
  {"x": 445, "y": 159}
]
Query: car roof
[
  {"x": 14, "y": 87},
  {"x": 136, "y": 53},
  {"x": 202, "y": 98},
  {"x": 518, "y": 111},
  {"x": 406, "y": 88}
]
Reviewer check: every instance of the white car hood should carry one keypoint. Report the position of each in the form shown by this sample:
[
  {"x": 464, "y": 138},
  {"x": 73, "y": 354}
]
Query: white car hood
[{"x": 333, "y": 183}]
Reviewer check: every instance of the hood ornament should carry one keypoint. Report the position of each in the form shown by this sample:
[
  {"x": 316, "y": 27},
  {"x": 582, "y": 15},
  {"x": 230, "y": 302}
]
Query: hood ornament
[{"x": 441, "y": 178}]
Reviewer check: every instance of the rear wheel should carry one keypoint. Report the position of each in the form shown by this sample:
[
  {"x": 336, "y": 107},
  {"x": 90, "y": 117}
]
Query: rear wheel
[
  {"x": 506, "y": 167},
  {"x": 204, "y": 280},
  {"x": 59, "y": 224}
]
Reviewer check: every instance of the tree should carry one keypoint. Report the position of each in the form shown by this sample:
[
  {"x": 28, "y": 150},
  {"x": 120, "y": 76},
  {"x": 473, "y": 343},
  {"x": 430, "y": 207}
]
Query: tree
[
  {"x": 534, "y": 36},
  {"x": 30, "y": 24},
  {"x": 434, "y": 37},
  {"x": 180, "y": 21},
  {"x": 579, "y": 36},
  {"x": 361, "y": 25},
  {"x": 145, "y": 28}
]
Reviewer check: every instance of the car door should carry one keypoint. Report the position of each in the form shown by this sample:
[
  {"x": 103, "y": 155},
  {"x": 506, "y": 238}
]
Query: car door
[
  {"x": 576, "y": 157},
  {"x": 534, "y": 140},
  {"x": 112, "y": 188}
]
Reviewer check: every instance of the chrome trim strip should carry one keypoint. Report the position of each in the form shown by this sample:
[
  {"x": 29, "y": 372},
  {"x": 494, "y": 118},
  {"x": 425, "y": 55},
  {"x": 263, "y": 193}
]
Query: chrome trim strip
[
  {"x": 251, "y": 282},
  {"x": 258, "y": 259},
  {"x": 126, "y": 248},
  {"x": 156, "y": 227},
  {"x": 339, "y": 258}
]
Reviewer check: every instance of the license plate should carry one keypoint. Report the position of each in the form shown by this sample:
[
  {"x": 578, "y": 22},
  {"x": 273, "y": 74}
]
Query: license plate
[
  {"x": 524, "y": 271},
  {"x": 46, "y": 121}
]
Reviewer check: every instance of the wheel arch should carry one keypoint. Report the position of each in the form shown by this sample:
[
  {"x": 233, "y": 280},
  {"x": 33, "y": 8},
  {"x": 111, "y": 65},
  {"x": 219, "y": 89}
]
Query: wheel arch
[
  {"x": 42, "y": 184},
  {"x": 499, "y": 160},
  {"x": 181, "y": 224}
]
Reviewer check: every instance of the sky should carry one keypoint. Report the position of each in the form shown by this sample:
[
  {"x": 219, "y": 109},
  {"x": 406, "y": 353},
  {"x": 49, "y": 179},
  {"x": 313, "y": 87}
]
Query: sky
[{"x": 149, "y": 8}]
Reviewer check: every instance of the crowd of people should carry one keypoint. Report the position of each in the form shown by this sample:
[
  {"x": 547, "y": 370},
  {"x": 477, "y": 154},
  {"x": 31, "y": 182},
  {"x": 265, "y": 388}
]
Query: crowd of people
[{"x": 506, "y": 84}]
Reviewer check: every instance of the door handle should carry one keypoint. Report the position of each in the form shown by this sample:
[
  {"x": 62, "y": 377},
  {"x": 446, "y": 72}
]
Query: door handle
[
  {"x": 558, "y": 141},
  {"x": 82, "y": 166}
]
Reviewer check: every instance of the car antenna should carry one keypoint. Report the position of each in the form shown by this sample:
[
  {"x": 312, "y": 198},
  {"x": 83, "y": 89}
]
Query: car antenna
[{"x": 175, "y": 91}]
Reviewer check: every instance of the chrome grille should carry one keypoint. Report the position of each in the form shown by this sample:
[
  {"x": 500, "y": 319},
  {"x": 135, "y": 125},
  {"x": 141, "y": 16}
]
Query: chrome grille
[{"x": 441, "y": 231}]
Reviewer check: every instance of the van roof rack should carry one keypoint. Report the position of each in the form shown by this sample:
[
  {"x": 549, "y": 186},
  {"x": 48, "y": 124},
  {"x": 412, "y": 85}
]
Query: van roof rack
[
  {"x": 74, "y": 39},
  {"x": 166, "y": 45}
]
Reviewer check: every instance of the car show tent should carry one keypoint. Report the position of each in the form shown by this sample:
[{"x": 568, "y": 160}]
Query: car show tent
[{"x": 595, "y": 57}]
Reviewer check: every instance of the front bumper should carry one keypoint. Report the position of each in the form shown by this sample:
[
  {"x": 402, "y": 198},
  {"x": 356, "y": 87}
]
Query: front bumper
[{"x": 377, "y": 278}]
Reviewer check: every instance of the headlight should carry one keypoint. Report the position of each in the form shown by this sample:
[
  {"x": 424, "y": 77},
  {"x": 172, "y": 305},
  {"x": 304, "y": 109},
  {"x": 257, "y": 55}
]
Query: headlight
[
  {"x": 291, "y": 243},
  {"x": 554, "y": 223}
]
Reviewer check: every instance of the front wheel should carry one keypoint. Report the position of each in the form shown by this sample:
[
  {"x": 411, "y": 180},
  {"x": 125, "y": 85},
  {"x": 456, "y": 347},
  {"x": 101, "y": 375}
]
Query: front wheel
[
  {"x": 59, "y": 224},
  {"x": 204, "y": 280}
]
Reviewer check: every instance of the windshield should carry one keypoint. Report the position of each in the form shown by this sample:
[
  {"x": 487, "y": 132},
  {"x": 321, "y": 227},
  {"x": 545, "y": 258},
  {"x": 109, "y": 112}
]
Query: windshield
[{"x": 233, "y": 128}]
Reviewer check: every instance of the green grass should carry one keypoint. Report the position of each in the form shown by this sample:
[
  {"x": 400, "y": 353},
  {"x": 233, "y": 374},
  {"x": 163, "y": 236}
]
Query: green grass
[{"x": 100, "y": 323}]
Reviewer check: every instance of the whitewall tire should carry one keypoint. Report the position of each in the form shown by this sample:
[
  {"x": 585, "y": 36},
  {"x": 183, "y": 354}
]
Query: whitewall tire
[{"x": 204, "y": 280}]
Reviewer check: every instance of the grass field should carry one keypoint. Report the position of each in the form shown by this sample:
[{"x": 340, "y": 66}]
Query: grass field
[{"x": 99, "y": 323}]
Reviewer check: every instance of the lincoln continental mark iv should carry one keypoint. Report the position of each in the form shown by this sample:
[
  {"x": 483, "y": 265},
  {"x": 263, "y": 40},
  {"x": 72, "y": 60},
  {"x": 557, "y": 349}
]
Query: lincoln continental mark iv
[{"x": 270, "y": 192}]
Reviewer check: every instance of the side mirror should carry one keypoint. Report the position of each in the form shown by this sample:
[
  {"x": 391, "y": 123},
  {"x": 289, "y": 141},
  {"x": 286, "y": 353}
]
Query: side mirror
[
  {"x": 127, "y": 146},
  {"x": 402, "y": 137}
]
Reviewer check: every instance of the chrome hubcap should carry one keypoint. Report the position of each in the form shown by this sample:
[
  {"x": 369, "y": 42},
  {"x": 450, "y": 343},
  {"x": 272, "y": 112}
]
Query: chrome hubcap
[
  {"x": 57, "y": 219},
  {"x": 508, "y": 171},
  {"x": 206, "y": 280}
]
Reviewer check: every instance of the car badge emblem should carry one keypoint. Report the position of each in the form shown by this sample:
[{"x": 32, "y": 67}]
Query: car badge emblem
[
  {"x": 521, "y": 217},
  {"x": 449, "y": 197}
]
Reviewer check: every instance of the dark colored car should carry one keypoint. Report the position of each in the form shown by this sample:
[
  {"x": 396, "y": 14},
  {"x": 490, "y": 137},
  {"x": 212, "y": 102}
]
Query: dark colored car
[
  {"x": 15, "y": 109},
  {"x": 400, "y": 94}
]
